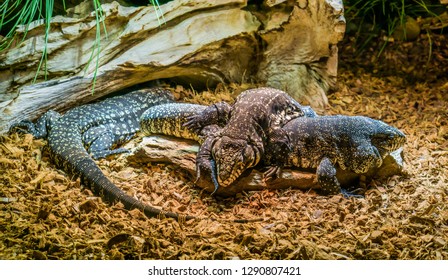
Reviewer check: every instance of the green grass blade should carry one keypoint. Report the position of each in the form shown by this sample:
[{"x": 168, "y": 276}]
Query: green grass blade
[
  {"x": 24, "y": 17},
  {"x": 97, "y": 45},
  {"x": 47, "y": 15},
  {"x": 158, "y": 11}
]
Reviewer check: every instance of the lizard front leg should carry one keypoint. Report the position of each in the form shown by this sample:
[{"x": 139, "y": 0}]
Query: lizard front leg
[
  {"x": 326, "y": 176},
  {"x": 364, "y": 157},
  {"x": 214, "y": 114},
  {"x": 206, "y": 165},
  {"x": 99, "y": 141},
  {"x": 277, "y": 151}
]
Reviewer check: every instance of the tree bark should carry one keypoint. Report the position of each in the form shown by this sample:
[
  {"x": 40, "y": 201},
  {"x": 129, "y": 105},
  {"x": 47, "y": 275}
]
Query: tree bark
[{"x": 289, "y": 45}]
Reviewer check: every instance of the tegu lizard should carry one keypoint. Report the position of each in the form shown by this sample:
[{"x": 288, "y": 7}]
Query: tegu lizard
[
  {"x": 92, "y": 130},
  {"x": 324, "y": 143},
  {"x": 353, "y": 143},
  {"x": 252, "y": 122}
]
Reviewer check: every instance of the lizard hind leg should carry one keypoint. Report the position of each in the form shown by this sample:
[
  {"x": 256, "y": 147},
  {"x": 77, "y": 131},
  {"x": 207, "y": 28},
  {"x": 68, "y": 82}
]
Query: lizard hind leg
[
  {"x": 100, "y": 140},
  {"x": 38, "y": 130},
  {"x": 214, "y": 114}
]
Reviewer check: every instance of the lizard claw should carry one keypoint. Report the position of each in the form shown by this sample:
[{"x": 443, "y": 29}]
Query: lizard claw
[
  {"x": 193, "y": 122},
  {"x": 348, "y": 194},
  {"x": 272, "y": 173},
  {"x": 214, "y": 176}
]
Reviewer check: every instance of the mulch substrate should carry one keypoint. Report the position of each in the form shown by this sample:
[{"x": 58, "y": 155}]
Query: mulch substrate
[{"x": 45, "y": 214}]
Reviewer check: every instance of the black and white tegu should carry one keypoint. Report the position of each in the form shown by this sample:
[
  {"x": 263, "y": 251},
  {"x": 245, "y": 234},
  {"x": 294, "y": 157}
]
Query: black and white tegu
[
  {"x": 353, "y": 143},
  {"x": 254, "y": 121}
]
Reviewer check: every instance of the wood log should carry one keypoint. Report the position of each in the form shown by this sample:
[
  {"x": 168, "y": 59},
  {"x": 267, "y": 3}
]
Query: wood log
[
  {"x": 182, "y": 152},
  {"x": 290, "y": 45},
  {"x": 301, "y": 51}
]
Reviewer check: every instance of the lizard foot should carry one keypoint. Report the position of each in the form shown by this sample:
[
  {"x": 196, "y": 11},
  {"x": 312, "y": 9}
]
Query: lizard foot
[
  {"x": 348, "y": 194},
  {"x": 272, "y": 173},
  {"x": 106, "y": 153},
  {"x": 24, "y": 126}
]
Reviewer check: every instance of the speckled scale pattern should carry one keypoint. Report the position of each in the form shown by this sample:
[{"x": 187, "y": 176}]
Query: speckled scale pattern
[
  {"x": 355, "y": 143},
  {"x": 262, "y": 108},
  {"x": 98, "y": 127},
  {"x": 254, "y": 121},
  {"x": 324, "y": 143},
  {"x": 168, "y": 119},
  {"x": 108, "y": 122}
]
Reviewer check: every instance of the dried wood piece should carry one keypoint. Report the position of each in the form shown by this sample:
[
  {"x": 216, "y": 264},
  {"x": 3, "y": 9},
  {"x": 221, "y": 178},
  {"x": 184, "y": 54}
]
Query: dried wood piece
[
  {"x": 275, "y": 44},
  {"x": 182, "y": 152}
]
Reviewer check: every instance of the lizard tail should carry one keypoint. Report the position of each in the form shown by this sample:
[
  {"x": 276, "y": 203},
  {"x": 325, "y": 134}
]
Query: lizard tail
[{"x": 75, "y": 160}]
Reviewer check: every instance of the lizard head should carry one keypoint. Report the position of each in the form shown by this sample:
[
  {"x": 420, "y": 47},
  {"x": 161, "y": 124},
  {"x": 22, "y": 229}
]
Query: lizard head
[
  {"x": 386, "y": 138},
  {"x": 233, "y": 157},
  {"x": 368, "y": 142}
]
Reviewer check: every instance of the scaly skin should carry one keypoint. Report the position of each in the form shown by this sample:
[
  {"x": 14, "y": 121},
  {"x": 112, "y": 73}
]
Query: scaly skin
[
  {"x": 324, "y": 143},
  {"x": 254, "y": 121},
  {"x": 98, "y": 127},
  {"x": 353, "y": 143},
  {"x": 168, "y": 119}
]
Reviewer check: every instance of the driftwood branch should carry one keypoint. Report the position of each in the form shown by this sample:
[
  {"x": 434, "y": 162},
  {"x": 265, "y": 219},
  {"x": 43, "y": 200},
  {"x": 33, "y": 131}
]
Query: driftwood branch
[
  {"x": 290, "y": 45},
  {"x": 182, "y": 153}
]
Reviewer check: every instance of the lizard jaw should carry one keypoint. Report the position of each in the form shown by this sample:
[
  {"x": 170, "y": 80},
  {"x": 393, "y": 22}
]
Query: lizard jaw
[{"x": 230, "y": 179}]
